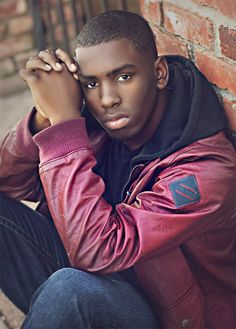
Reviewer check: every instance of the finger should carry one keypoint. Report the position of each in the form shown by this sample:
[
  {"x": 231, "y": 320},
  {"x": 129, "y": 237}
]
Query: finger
[
  {"x": 51, "y": 59},
  {"x": 28, "y": 76},
  {"x": 35, "y": 63},
  {"x": 76, "y": 76},
  {"x": 66, "y": 58}
]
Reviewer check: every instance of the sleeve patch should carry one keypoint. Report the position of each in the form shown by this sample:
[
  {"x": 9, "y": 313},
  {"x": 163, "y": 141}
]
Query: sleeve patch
[{"x": 185, "y": 191}]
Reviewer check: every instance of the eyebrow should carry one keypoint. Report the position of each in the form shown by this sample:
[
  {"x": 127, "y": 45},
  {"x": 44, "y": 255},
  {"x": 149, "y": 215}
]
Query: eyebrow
[{"x": 115, "y": 71}]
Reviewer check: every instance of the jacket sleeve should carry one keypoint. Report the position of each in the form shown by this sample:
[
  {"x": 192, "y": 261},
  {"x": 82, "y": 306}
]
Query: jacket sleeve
[
  {"x": 99, "y": 240},
  {"x": 19, "y": 163}
]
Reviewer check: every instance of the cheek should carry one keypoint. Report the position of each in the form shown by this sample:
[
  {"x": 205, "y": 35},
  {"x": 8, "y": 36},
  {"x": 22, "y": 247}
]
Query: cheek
[
  {"x": 92, "y": 102},
  {"x": 142, "y": 94},
  {"x": 145, "y": 86}
]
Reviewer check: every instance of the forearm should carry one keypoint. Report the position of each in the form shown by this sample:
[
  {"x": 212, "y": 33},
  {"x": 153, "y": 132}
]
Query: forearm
[
  {"x": 100, "y": 240},
  {"x": 95, "y": 238}
]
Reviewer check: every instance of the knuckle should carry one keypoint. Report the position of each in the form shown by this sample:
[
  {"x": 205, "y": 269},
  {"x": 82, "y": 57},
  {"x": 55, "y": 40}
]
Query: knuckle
[
  {"x": 29, "y": 61},
  {"x": 42, "y": 53}
]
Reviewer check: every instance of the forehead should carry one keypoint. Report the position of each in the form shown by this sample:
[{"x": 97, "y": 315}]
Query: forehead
[{"x": 105, "y": 57}]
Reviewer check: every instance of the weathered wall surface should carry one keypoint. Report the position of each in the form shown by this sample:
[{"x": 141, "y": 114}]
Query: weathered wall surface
[
  {"x": 205, "y": 32},
  {"x": 17, "y": 39},
  {"x": 16, "y": 43}
]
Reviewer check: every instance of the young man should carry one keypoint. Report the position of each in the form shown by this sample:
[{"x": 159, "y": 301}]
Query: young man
[{"x": 143, "y": 197}]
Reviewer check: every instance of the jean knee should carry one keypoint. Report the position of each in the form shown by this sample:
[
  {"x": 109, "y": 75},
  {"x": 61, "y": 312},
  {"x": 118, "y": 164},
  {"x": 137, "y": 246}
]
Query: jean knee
[
  {"x": 66, "y": 281},
  {"x": 61, "y": 280},
  {"x": 65, "y": 285},
  {"x": 75, "y": 284}
]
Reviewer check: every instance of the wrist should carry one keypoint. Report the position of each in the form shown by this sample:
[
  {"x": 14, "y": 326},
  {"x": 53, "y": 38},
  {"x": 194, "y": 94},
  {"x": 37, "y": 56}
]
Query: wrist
[
  {"x": 68, "y": 117},
  {"x": 39, "y": 123}
]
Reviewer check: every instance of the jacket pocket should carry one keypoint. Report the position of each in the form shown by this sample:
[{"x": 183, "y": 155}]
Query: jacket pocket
[{"x": 186, "y": 312}]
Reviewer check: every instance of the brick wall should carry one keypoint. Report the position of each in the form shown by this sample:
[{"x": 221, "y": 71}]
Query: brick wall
[
  {"x": 16, "y": 43},
  {"x": 205, "y": 32},
  {"x": 17, "y": 40}
]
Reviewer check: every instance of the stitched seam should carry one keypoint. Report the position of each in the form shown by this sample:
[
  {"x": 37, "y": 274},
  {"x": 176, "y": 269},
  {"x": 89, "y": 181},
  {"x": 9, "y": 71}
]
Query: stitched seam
[
  {"x": 181, "y": 299},
  {"x": 20, "y": 232},
  {"x": 65, "y": 155}
]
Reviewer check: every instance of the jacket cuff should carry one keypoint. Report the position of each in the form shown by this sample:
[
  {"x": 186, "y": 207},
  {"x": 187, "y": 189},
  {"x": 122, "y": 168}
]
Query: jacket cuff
[
  {"x": 63, "y": 138},
  {"x": 24, "y": 139}
]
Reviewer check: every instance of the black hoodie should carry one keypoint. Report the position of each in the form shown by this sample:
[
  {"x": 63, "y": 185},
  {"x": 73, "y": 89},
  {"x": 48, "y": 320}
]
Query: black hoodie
[{"x": 193, "y": 112}]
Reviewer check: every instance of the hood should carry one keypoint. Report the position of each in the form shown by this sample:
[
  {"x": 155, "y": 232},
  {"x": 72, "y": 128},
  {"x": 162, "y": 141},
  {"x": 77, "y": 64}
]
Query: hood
[{"x": 193, "y": 112}]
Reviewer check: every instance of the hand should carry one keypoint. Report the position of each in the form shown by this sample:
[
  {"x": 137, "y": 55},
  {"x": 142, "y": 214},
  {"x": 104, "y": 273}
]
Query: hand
[
  {"x": 48, "y": 60},
  {"x": 39, "y": 123},
  {"x": 57, "y": 95}
]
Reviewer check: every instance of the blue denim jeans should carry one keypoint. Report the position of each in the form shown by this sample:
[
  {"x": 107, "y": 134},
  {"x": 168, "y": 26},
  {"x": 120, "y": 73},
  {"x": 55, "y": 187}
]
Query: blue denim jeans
[{"x": 35, "y": 274}]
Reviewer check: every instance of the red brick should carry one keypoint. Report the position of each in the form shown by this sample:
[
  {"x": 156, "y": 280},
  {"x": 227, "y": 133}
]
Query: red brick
[
  {"x": 197, "y": 29},
  {"x": 3, "y": 30},
  {"x": 68, "y": 14},
  {"x": 20, "y": 25},
  {"x": 58, "y": 31},
  {"x": 142, "y": 4},
  {"x": 15, "y": 45},
  {"x": 12, "y": 7},
  {"x": 167, "y": 44},
  {"x": 7, "y": 67},
  {"x": 217, "y": 71},
  {"x": 53, "y": 14},
  {"x": 225, "y": 7},
  {"x": 152, "y": 12},
  {"x": 228, "y": 41},
  {"x": 230, "y": 110},
  {"x": 8, "y": 8}
]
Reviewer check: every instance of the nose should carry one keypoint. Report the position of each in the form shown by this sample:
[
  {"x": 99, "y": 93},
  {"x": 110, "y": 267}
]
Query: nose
[{"x": 109, "y": 96}]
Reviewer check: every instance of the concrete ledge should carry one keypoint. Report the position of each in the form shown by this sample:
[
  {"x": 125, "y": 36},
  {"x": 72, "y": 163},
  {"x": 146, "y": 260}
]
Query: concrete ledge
[{"x": 10, "y": 316}]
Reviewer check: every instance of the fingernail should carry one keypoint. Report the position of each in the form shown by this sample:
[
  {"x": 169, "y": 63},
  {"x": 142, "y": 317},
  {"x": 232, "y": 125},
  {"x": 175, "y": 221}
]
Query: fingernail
[
  {"x": 76, "y": 76},
  {"x": 48, "y": 67},
  {"x": 58, "y": 65},
  {"x": 73, "y": 66}
]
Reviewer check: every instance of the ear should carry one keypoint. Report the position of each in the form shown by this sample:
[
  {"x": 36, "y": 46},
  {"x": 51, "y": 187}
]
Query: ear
[{"x": 161, "y": 72}]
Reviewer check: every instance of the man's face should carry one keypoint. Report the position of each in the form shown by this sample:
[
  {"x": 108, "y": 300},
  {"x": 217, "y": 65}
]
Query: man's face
[{"x": 119, "y": 86}]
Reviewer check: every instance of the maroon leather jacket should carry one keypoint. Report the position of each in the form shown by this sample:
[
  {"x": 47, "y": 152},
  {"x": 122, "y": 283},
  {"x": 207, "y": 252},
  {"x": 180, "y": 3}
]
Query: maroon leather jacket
[
  {"x": 179, "y": 235},
  {"x": 176, "y": 227}
]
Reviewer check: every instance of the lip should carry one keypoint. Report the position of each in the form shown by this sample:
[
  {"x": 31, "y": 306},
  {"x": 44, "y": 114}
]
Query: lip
[{"x": 116, "y": 121}]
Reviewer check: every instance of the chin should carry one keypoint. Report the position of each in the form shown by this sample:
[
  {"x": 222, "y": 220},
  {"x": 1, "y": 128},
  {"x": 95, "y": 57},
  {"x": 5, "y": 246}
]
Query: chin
[{"x": 124, "y": 135}]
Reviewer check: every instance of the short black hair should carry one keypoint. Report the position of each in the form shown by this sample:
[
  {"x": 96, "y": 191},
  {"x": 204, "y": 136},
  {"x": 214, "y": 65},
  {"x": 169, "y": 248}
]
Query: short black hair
[{"x": 116, "y": 25}]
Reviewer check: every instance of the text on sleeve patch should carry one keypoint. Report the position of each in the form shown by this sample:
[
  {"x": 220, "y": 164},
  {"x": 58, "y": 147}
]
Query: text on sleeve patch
[{"x": 185, "y": 191}]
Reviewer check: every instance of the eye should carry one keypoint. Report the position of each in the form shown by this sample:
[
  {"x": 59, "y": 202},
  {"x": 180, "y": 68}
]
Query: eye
[
  {"x": 91, "y": 85},
  {"x": 124, "y": 77}
]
